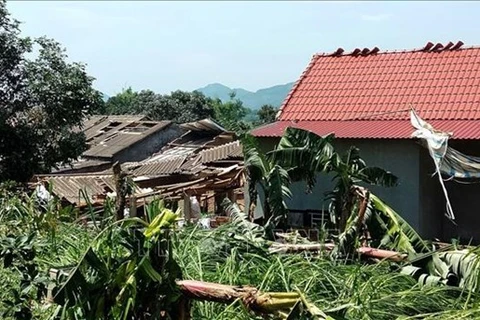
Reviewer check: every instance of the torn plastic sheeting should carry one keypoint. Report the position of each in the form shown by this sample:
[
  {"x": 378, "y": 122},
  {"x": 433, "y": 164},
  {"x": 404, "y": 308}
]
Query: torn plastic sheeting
[{"x": 437, "y": 144}]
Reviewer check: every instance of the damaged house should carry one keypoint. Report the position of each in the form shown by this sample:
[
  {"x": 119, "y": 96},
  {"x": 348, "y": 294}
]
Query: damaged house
[
  {"x": 121, "y": 138},
  {"x": 205, "y": 163},
  {"x": 365, "y": 97}
]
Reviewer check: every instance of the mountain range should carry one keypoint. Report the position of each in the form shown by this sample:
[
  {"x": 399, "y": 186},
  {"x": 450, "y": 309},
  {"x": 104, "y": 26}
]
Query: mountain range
[{"x": 254, "y": 100}]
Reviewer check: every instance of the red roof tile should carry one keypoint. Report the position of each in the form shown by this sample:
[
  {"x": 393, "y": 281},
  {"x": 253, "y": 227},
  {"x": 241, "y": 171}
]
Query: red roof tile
[
  {"x": 372, "y": 129},
  {"x": 369, "y": 96},
  {"x": 441, "y": 85}
]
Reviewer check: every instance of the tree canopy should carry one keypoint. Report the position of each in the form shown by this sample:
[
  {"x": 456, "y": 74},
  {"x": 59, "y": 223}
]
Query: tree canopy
[
  {"x": 231, "y": 113},
  {"x": 179, "y": 106},
  {"x": 42, "y": 101},
  {"x": 124, "y": 102},
  {"x": 266, "y": 114}
]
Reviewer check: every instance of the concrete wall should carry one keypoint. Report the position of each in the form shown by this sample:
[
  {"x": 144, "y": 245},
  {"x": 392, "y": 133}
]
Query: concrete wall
[
  {"x": 401, "y": 157},
  {"x": 148, "y": 146},
  {"x": 465, "y": 201},
  {"x": 432, "y": 201},
  {"x": 418, "y": 198}
]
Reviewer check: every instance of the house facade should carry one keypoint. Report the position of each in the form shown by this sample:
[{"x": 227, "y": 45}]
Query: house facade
[{"x": 364, "y": 97}]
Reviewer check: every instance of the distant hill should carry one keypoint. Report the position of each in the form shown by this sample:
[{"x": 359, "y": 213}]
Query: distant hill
[{"x": 254, "y": 100}]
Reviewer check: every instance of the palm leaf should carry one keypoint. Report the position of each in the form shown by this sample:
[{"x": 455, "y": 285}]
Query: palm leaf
[
  {"x": 239, "y": 220},
  {"x": 303, "y": 154},
  {"x": 398, "y": 234},
  {"x": 276, "y": 193},
  {"x": 378, "y": 176},
  {"x": 465, "y": 264}
]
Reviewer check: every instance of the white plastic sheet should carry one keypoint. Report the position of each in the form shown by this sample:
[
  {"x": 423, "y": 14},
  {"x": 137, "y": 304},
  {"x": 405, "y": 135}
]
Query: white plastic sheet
[{"x": 437, "y": 144}]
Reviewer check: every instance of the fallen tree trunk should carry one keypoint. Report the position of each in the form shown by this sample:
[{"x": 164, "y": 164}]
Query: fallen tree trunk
[
  {"x": 315, "y": 247},
  {"x": 252, "y": 298},
  {"x": 382, "y": 254}
]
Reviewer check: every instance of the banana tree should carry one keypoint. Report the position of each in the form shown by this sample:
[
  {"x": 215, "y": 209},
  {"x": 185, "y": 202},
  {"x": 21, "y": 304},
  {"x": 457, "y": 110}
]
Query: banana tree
[
  {"x": 272, "y": 179},
  {"x": 350, "y": 169},
  {"x": 305, "y": 154},
  {"x": 127, "y": 273},
  {"x": 353, "y": 209}
]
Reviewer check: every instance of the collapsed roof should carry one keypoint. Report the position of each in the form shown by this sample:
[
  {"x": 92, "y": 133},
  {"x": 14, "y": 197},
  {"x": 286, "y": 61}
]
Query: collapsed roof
[
  {"x": 205, "y": 158},
  {"x": 108, "y": 135}
]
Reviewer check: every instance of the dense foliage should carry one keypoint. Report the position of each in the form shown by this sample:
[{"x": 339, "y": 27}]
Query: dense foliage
[
  {"x": 342, "y": 289},
  {"x": 125, "y": 269},
  {"x": 181, "y": 106},
  {"x": 42, "y": 100},
  {"x": 266, "y": 114}
]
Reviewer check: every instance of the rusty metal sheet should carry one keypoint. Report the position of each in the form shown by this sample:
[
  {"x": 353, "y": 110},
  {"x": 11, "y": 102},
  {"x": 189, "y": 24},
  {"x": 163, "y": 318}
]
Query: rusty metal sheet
[{"x": 226, "y": 151}]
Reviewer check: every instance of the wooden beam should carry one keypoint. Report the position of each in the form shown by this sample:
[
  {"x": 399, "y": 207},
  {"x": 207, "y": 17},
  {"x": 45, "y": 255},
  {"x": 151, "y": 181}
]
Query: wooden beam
[{"x": 187, "y": 207}]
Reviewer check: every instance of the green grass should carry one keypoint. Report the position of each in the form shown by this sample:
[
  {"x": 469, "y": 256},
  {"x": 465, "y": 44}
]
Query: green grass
[{"x": 342, "y": 289}]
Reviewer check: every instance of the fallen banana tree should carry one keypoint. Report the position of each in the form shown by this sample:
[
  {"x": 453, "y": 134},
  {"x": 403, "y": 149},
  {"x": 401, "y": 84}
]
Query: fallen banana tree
[
  {"x": 129, "y": 272},
  {"x": 316, "y": 247},
  {"x": 284, "y": 305},
  {"x": 371, "y": 224}
]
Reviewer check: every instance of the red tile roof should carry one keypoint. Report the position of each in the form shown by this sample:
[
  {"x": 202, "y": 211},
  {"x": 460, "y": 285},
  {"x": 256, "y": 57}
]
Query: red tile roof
[
  {"x": 371, "y": 129},
  {"x": 441, "y": 83}
]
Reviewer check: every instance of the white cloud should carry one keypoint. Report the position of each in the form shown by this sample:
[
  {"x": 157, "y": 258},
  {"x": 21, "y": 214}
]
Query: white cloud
[{"x": 376, "y": 17}]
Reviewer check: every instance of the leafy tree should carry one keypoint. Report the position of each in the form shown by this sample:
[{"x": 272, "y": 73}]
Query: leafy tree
[
  {"x": 266, "y": 114},
  {"x": 179, "y": 106},
  {"x": 231, "y": 113},
  {"x": 42, "y": 101},
  {"x": 266, "y": 177},
  {"x": 123, "y": 103}
]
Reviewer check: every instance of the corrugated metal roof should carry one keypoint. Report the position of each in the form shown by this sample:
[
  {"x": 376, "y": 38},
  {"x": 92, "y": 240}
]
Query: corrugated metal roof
[
  {"x": 69, "y": 187},
  {"x": 82, "y": 164},
  {"x": 203, "y": 125},
  {"x": 185, "y": 159},
  {"x": 228, "y": 150},
  {"x": 93, "y": 125},
  {"x": 122, "y": 136},
  {"x": 389, "y": 129},
  {"x": 440, "y": 85},
  {"x": 160, "y": 167}
]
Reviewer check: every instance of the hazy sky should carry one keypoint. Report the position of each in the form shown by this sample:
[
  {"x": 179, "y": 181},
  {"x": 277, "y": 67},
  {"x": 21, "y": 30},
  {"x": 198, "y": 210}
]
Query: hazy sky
[{"x": 166, "y": 46}]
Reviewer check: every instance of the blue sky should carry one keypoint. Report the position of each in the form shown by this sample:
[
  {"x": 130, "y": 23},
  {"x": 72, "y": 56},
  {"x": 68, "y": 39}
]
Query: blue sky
[{"x": 166, "y": 46}]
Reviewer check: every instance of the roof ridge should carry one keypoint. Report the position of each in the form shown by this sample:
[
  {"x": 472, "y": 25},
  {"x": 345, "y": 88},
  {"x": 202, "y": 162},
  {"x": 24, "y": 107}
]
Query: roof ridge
[{"x": 437, "y": 48}]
